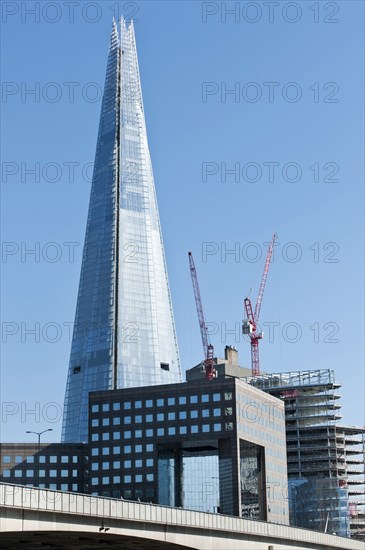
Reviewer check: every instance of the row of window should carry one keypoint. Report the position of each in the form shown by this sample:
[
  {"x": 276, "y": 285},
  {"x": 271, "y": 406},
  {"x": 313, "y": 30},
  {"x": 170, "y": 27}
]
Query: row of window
[
  {"x": 275, "y": 453},
  {"x": 40, "y": 473},
  {"x": 116, "y": 464},
  {"x": 271, "y": 409},
  {"x": 138, "y": 478},
  {"x": 161, "y": 402},
  {"x": 160, "y": 417},
  {"x": 106, "y": 451},
  {"x": 278, "y": 468},
  {"x": 172, "y": 430},
  {"x": 263, "y": 435},
  {"x": 268, "y": 423},
  {"x": 42, "y": 459}
]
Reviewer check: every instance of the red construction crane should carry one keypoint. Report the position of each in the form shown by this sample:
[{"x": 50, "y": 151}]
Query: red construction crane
[
  {"x": 210, "y": 371},
  {"x": 250, "y": 325}
]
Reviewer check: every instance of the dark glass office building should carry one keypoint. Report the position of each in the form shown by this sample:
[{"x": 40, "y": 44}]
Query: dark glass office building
[{"x": 215, "y": 446}]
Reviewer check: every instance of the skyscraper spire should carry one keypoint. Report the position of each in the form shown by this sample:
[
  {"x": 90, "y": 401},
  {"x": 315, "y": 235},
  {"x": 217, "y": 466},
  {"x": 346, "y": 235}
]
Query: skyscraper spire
[{"x": 124, "y": 332}]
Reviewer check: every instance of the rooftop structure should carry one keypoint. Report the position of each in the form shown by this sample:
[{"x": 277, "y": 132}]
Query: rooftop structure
[{"x": 224, "y": 367}]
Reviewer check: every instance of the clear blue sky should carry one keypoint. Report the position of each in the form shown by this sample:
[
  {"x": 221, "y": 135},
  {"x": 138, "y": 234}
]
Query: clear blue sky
[{"x": 178, "y": 53}]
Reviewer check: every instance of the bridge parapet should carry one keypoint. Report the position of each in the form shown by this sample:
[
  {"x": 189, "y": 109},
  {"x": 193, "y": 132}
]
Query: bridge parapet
[{"x": 191, "y": 526}]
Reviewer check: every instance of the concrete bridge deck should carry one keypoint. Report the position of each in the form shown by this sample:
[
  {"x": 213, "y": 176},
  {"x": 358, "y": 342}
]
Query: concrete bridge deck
[{"x": 33, "y": 518}]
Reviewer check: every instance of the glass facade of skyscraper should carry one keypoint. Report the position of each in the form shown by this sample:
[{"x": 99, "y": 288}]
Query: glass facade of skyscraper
[{"x": 124, "y": 334}]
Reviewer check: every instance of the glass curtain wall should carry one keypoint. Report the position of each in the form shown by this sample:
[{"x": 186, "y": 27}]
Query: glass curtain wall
[{"x": 124, "y": 333}]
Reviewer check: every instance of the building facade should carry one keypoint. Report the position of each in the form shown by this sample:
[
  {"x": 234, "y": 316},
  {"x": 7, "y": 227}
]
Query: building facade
[
  {"x": 56, "y": 466},
  {"x": 209, "y": 446},
  {"x": 124, "y": 333},
  {"x": 325, "y": 459}
]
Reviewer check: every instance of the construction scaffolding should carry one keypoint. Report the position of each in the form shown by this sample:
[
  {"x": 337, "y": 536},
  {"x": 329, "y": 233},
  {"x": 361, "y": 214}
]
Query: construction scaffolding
[{"x": 325, "y": 459}]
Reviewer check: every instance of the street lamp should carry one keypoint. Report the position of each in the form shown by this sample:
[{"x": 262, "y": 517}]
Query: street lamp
[{"x": 39, "y": 446}]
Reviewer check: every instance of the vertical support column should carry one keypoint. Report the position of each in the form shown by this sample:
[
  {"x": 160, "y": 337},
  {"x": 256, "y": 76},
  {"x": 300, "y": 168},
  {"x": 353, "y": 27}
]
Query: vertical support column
[
  {"x": 262, "y": 484},
  {"x": 169, "y": 477},
  {"x": 179, "y": 473},
  {"x": 229, "y": 501}
]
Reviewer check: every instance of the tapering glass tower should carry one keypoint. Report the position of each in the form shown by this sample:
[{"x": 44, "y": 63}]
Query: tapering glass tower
[{"x": 124, "y": 333}]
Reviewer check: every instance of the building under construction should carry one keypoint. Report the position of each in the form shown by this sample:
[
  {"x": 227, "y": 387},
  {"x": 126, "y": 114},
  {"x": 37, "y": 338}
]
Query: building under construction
[{"x": 325, "y": 459}]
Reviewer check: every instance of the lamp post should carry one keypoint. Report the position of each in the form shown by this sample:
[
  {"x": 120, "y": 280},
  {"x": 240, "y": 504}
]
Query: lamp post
[{"x": 38, "y": 434}]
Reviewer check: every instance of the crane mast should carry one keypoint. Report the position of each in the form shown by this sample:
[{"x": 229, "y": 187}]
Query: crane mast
[
  {"x": 250, "y": 324},
  {"x": 210, "y": 372}
]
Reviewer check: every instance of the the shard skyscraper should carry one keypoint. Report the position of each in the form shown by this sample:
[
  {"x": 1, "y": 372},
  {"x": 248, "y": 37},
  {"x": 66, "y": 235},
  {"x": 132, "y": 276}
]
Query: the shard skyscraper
[{"x": 124, "y": 333}]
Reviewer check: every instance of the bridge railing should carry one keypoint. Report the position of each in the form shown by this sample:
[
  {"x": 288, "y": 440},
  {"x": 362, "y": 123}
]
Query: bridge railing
[{"x": 34, "y": 499}]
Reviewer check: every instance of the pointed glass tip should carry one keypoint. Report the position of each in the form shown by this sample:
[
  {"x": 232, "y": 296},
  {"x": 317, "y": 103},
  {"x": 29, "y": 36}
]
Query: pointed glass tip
[{"x": 123, "y": 23}]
